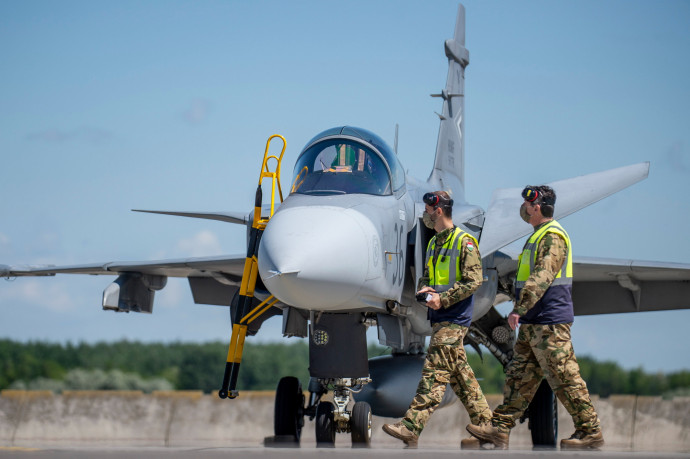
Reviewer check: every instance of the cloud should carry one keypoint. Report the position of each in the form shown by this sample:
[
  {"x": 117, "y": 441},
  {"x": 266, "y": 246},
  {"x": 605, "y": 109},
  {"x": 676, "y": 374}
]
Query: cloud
[
  {"x": 91, "y": 135},
  {"x": 37, "y": 292},
  {"x": 203, "y": 243},
  {"x": 197, "y": 112}
]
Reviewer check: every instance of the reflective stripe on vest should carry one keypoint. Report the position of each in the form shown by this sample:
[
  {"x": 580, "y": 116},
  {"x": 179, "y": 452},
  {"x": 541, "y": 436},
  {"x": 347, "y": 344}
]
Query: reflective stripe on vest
[
  {"x": 529, "y": 252},
  {"x": 447, "y": 271}
]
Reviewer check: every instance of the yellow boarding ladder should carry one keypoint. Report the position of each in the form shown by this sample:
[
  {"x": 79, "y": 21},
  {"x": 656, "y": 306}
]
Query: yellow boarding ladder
[{"x": 243, "y": 317}]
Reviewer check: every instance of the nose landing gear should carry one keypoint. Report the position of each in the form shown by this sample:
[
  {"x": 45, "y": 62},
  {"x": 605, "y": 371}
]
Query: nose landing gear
[
  {"x": 330, "y": 417},
  {"x": 356, "y": 421}
]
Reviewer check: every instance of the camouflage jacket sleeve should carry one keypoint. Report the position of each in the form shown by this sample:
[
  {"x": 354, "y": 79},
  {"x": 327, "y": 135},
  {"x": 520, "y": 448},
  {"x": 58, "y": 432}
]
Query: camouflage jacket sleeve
[
  {"x": 551, "y": 253},
  {"x": 472, "y": 277}
]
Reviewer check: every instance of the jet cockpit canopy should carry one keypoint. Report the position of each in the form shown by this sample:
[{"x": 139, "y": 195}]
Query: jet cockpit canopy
[{"x": 346, "y": 160}]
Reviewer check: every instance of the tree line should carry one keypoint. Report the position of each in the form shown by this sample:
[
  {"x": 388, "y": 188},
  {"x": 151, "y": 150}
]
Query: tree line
[{"x": 200, "y": 366}]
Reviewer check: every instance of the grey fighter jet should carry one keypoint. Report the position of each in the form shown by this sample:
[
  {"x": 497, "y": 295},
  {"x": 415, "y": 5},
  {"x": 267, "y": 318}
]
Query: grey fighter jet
[{"x": 344, "y": 252}]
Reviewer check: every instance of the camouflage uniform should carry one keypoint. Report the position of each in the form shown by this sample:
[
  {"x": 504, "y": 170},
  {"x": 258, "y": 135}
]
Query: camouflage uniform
[
  {"x": 544, "y": 351},
  {"x": 446, "y": 361}
]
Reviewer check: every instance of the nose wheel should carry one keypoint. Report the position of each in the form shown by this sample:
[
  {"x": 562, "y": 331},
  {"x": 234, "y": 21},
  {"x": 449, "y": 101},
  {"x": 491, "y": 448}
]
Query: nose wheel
[
  {"x": 334, "y": 417},
  {"x": 325, "y": 425},
  {"x": 360, "y": 424}
]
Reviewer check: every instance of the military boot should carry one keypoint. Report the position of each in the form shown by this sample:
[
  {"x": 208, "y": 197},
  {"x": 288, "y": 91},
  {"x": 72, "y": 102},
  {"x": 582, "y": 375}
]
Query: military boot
[
  {"x": 583, "y": 440},
  {"x": 489, "y": 434},
  {"x": 400, "y": 431}
]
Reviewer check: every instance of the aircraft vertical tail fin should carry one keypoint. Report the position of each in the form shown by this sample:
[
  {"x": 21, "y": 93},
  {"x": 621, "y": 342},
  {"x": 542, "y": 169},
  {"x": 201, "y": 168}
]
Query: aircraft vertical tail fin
[{"x": 449, "y": 166}]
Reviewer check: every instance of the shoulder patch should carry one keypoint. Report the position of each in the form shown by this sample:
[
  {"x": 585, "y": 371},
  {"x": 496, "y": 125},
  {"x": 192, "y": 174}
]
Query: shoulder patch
[{"x": 470, "y": 246}]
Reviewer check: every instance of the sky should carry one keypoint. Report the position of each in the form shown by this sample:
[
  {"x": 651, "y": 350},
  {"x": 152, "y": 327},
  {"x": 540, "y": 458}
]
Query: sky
[{"x": 111, "y": 106}]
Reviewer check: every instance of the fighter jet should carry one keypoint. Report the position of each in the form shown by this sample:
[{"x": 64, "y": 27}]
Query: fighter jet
[{"x": 344, "y": 251}]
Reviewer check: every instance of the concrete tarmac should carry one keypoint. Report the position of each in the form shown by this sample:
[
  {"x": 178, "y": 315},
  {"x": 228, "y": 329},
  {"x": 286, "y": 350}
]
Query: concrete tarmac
[{"x": 312, "y": 453}]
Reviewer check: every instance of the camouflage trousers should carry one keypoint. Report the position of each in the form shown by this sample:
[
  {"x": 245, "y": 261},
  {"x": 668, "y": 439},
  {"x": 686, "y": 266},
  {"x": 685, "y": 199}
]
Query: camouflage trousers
[
  {"x": 446, "y": 363},
  {"x": 545, "y": 351}
]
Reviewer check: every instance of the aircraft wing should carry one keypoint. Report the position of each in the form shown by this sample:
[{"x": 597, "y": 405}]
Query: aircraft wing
[
  {"x": 230, "y": 267},
  {"x": 502, "y": 222},
  {"x": 610, "y": 286},
  {"x": 213, "y": 280}
]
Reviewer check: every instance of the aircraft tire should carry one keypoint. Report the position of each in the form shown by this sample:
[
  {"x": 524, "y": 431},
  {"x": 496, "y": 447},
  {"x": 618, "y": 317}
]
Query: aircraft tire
[
  {"x": 289, "y": 408},
  {"x": 361, "y": 425},
  {"x": 325, "y": 425},
  {"x": 543, "y": 417}
]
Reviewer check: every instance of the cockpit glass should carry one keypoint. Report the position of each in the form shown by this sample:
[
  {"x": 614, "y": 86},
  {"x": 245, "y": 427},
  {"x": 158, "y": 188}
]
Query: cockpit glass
[{"x": 340, "y": 166}]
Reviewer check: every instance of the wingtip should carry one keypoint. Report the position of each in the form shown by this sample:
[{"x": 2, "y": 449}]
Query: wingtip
[{"x": 643, "y": 167}]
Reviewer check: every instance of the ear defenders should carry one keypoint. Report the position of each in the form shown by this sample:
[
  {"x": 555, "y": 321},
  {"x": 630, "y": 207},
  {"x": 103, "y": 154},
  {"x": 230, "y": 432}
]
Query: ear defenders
[
  {"x": 434, "y": 200},
  {"x": 531, "y": 194}
]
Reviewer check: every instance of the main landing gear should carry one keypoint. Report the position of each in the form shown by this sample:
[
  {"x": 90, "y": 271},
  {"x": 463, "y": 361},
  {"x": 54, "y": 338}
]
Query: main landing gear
[
  {"x": 330, "y": 417},
  {"x": 288, "y": 417},
  {"x": 543, "y": 417}
]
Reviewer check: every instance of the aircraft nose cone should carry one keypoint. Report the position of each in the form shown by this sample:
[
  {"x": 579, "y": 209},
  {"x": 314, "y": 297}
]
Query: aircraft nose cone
[{"x": 313, "y": 257}]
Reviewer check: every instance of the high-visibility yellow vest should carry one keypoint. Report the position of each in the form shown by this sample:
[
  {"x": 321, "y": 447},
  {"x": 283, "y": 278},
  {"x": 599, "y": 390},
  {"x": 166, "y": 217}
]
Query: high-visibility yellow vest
[
  {"x": 528, "y": 256},
  {"x": 446, "y": 271}
]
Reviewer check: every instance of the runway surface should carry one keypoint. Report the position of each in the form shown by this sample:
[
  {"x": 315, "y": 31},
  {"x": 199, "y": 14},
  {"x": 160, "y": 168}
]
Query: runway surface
[{"x": 309, "y": 453}]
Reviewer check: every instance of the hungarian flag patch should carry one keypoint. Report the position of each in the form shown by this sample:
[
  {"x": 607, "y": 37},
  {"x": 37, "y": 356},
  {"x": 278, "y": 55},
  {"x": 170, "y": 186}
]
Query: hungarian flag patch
[{"x": 470, "y": 246}]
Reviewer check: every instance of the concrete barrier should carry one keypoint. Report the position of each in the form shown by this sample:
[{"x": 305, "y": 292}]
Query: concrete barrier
[{"x": 181, "y": 418}]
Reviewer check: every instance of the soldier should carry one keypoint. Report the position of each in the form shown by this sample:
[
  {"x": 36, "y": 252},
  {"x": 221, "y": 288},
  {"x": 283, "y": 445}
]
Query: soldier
[
  {"x": 544, "y": 307},
  {"x": 453, "y": 272}
]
